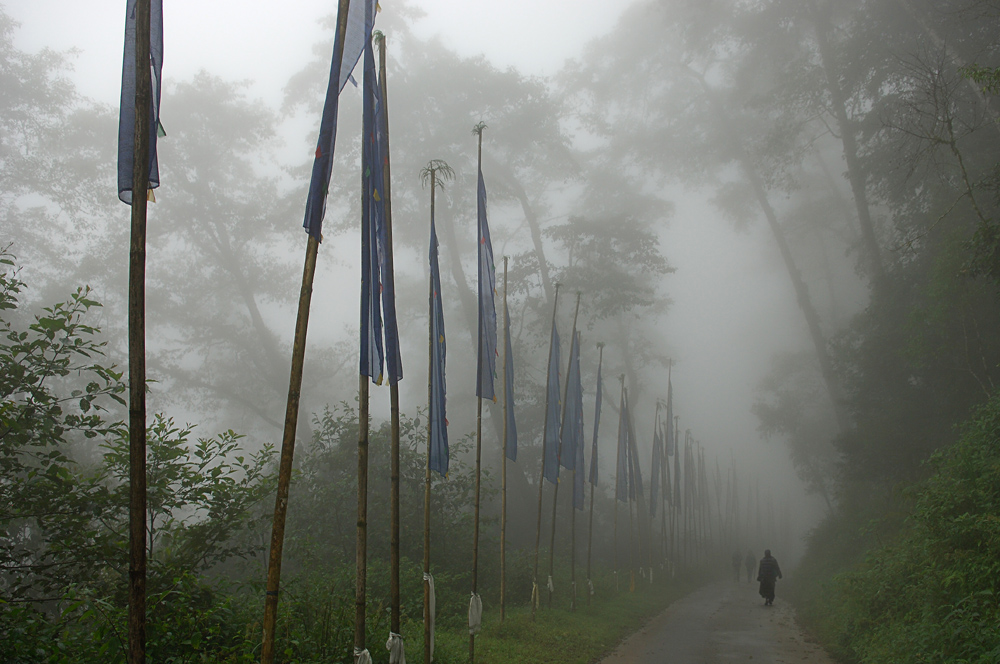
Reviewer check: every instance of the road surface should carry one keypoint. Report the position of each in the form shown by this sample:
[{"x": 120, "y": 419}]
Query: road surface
[{"x": 721, "y": 623}]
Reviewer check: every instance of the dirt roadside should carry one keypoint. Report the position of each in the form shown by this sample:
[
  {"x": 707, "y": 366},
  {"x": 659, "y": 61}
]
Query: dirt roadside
[{"x": 721, "y": 623}]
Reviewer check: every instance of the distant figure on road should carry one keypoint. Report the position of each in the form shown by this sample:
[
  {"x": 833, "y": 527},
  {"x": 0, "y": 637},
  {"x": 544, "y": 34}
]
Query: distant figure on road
[
  {"x": 737, "y": 564},
  {"x": 767, "y": 573},
  {"x": 750, "y": 561}
]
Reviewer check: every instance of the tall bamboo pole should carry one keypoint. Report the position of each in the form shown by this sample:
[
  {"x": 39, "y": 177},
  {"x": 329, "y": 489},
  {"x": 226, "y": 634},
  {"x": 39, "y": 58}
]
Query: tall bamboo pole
[
  {"x": 562, "y": 427},
  {"x": 361, "y": 576},
  {"x": 535, "y": 592},
  {"x": 137, "y": 342},
  {"x": 394, "y": 599},
  {"x": 503, "y": 454},
  {"x": 427, "y": 474},
  {"x": 292, "y": 410},
  {"x": 593, "y": 488},
  {"x": 618, "y": 471},
  {"x": 479, "y": 436},
  {"x": 664, "y": 484}
]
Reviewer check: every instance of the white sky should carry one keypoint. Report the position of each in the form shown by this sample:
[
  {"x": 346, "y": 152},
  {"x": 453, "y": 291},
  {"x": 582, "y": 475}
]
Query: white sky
[{"x": 268, "y": 41}]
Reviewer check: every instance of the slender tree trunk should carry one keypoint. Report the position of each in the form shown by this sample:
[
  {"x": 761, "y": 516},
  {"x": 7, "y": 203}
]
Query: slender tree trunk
[
  {"x": 848, "y": 137},
  {"x": 798, "y": 283}
]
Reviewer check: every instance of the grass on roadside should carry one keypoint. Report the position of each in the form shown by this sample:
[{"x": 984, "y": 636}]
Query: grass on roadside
[{"x": 558, "y": 635}]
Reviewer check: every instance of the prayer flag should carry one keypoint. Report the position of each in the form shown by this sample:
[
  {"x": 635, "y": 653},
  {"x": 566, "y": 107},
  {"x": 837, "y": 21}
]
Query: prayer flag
[
  {"x": 654, "y": 473},
  {"x": 393, "y": 358},
  {"x": 358, "y": 34},
  {"x": 597, "y": 422},
  {"x": 623, "y": 473},
  {"x": 570, "y": 434},
  {"x": 126, "y": 111},
  {"x": 486, "y": 367},
  {"x": 550, "y": 467},
  {"x": 669, "y": 438},
  {"x": 636, "y": 479},
  {"x": 372, "y": 217},
  {"x": 438, "y": 456},
  {"x": 575, "y": 406},
  {"x": 510, "y": 445}
]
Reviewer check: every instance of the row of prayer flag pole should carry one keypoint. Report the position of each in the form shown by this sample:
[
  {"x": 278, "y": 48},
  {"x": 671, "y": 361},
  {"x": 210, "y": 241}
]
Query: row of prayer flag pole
[{"x": 380, "y": 357}]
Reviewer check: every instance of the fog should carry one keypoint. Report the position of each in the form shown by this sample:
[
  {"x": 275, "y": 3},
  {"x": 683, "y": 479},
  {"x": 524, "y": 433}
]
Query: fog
[
  {"x": 784, "y": 208},
  {"x": 732, "y": 308}
]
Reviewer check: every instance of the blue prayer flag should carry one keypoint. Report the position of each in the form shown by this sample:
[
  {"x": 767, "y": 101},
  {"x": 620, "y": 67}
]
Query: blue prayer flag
[
  {"x": 570, "y": 434},
  {"x": 623, "y": 472},
  {"x": 677, "y": 473},
  {"x": 126, "y": 112},
  {"x": 550, "y": 444},
  {"x": 579, "y": 467},
  {"x": 393, "y": 359},
  {"x": 510, "y": 445},
  {"x": 635, "y": 480},
  {"x": 347, "y": 52},
  {"x": 438, "y": 455},
  {"x": 372, "y": 218},
  {"x": 597, "y": 423},
  {"x": 669, "y": 438},
  {"x": 654, "y": 479},
  {"x": 486, "y": 367}
]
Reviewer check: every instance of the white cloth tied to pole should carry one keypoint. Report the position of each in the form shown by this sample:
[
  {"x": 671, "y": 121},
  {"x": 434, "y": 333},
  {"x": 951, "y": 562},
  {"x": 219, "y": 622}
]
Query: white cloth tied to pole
[
  {"x": 397, "y": 653},
  {"x": 534, "y": 594},
  {"x": 590, "y": 586},
  {"x": 362, "y": 656},
  {"x": 549, "y": 585},
  {"x": 475, "y": 614},
  {"x": 433, "y": 607}
]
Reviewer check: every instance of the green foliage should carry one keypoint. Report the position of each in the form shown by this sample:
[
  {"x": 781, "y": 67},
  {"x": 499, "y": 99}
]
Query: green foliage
[
  {"x": 64, "y": 522},
  {"x": 929, "y": 593}
]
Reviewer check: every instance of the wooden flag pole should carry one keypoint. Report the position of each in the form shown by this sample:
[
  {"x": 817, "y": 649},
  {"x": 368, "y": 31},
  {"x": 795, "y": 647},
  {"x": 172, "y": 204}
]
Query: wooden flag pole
[
  {"x": 137, "y": 342},
  {"x": 478, "y": 130},
  {"x": 292, "y": 414},
  {"x": 427, "y": 474},
  {"x": 503, "y": 456},
  {"x": 631, "y": 526},
  {"x": 430, "y": 173},
  {"x": 541, "y": 478},
  {"x": 664, "y": 487},
  {"x": 562, "y": 427},
  {"x": 618, "y": 473},
  {"x": 593, "y": 488},
  {"x": 361, "y": 576},
  {"x": 394, "y": 599}
]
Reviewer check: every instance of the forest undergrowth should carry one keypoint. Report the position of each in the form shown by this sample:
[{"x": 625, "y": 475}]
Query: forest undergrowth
[{"x": 919, "y": 584}]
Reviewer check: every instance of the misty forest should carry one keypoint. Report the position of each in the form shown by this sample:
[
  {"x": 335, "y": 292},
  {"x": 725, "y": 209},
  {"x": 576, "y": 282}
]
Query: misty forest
[{"x": 746, "y": 260}]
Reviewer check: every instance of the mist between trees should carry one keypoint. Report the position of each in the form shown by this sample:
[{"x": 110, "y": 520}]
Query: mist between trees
[{"x": 861, "y": 134}]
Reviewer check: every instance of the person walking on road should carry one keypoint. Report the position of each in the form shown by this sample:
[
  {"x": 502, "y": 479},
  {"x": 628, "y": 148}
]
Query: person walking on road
[
  {"x": 767, "y": 573},
  {"x": 750, "y": 561}
]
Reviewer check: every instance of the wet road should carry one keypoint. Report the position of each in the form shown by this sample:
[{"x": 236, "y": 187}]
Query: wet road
[{"x": 721, "y": 623}]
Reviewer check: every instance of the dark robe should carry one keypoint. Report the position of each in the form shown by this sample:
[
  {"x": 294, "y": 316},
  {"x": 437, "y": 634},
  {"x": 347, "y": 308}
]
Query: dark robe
[{"x": 767, "y": 573}]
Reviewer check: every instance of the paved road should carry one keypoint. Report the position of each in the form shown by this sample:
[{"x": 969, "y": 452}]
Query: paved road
[{"x": 721, "y": 623}]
